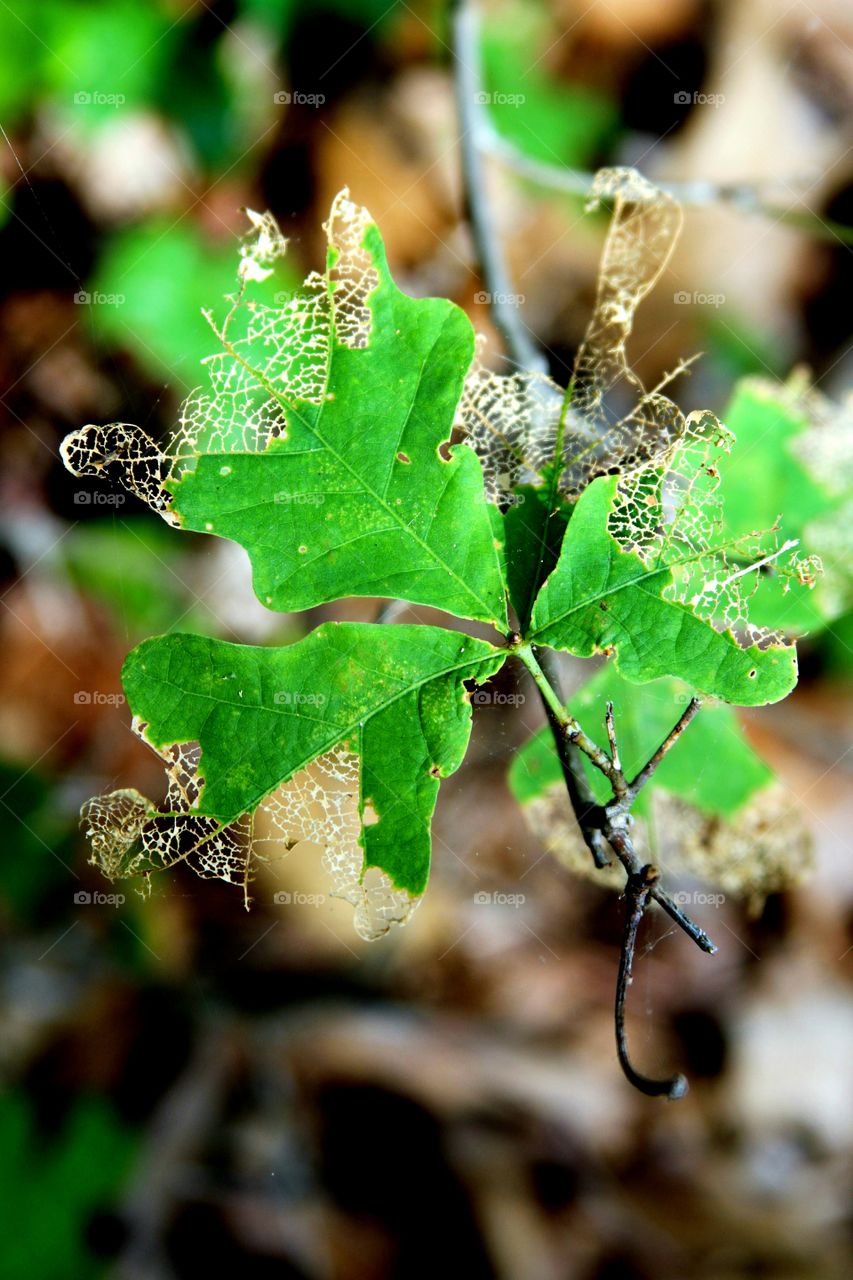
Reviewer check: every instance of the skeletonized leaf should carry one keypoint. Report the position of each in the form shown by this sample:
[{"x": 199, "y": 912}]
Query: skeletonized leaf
[
  {"x": 382, "y": 711},
  {"x": 523, "y": 425}
]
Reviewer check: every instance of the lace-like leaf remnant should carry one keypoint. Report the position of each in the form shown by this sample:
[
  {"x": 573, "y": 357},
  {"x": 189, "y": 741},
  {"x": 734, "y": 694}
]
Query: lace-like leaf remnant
[
  {"x": 340, "y": 739},
  {"x": 764, "y": 848},
  {"x": 716, "y": 810},
  {"x": 522, "y": 423},
  {"x": 321, "y": 442}
]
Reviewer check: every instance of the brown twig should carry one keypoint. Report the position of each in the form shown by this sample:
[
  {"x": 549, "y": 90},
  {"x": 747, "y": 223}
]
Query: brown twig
[
  {"x": 610, "y": 824},
  {"x": 487, "y": 242},
  {"x": 638, "y": 890},
  {"x": 602, "y": 826},
  {"x": 665, "y": 747}
]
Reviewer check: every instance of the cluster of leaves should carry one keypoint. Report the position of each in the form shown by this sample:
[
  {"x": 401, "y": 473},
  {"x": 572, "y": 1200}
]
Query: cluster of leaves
[{"x": 355, "y": 444}]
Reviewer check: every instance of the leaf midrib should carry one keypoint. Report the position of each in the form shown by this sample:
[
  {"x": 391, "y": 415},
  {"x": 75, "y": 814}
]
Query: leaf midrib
[
  {"x": 341, "y": 731},
  {"x": 292, "y": 406},
  {"x": 603, "y": 595},
  {"x": 642, "y": 578}
]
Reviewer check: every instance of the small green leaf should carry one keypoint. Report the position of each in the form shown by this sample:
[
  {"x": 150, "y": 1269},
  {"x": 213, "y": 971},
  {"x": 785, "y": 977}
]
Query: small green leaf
[{"x": 601, "y": 598}]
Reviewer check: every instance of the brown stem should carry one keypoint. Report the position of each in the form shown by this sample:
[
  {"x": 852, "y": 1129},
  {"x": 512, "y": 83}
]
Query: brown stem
[{"x": 638, "y": 890}]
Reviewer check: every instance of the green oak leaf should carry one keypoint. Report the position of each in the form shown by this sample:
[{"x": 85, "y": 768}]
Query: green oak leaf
[
  {"x": 714, "y": 768},
  {"x": 321, "y": 443},
  {"x": 392, "y": 697},
  {"x": 603, "y": 598},
  {"x": 361, "y": 496}
]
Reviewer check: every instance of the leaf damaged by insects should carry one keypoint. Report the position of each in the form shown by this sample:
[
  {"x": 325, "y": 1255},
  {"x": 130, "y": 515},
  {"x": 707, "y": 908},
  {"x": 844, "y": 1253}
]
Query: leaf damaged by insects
[
  {"x": 524, "y": 426},
  {"x": 339, "y": 739},
  {"x": 316, "y": 446},
  {"x": 355, "y": 443},
  {"x": 652, "y": 546}
]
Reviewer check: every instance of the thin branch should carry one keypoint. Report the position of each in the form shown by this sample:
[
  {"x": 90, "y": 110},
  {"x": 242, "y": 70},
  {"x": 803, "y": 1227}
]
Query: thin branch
[
  {"x": 470, "y": 107},
  {"x": 618, "y": 776},
  {"x": 600, "y": 826},
  {"x": 622, "y": 845},
  {"x": 589, "y": 814},
  {"x": 743, "y": 197},
  {"x": 648, "y": 769},
  {"x": 569, "y": 726},
  {"x": 637, "y": 893},
  {"x": 614, "y": 818}
]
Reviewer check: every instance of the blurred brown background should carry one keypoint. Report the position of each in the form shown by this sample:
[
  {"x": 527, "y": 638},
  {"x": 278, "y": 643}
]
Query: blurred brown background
[{"x": 188, "y": 1086}]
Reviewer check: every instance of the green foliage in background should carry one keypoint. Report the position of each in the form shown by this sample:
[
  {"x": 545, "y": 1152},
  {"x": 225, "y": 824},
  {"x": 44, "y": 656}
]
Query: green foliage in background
[
  {"x": 162, "y": 275},
  {"x": 70, "y": 1175},
  {"x": 783, "y": 474},
  {"x": 545, "y": 116}
]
